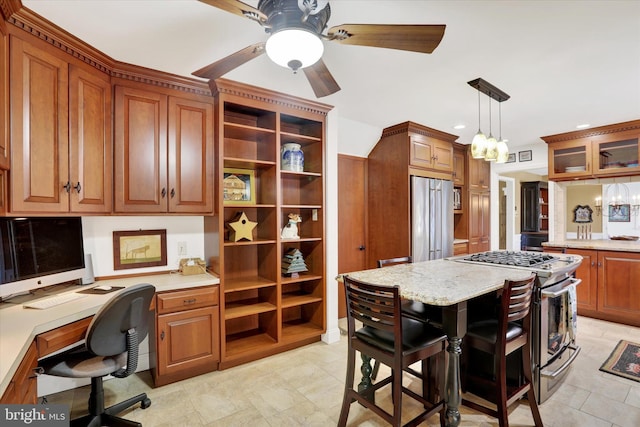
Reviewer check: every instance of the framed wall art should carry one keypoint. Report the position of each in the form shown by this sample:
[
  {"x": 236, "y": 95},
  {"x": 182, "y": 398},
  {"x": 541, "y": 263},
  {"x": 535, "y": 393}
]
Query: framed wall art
[
  {"x": 239, "y": 186},
  {"x": 582, "y": 214},
  {"x": 141, "y": 248},
  {"x": 512, "y": 158},
  {"x": 524, "y": 156},
  {"x": 619, "y": 213}
]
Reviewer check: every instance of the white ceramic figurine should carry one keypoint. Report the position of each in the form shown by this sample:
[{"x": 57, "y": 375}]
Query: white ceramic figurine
[{"x": 290, "y": 231}]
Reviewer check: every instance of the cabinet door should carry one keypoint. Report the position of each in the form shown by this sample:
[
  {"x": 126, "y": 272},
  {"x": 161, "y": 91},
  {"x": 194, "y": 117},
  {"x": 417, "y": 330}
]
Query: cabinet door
[
  {"x": 587, "y": 291},
  {"x": 479, "y": 221},
  {"x": 458, "y": 167},
  {"x": 140, "y": 151},
  {"x": 570, "y": 159},
  {"x": 479, "y": 174},
  {"x": 90, "y": 155},
  {"x": 618, "y": 290},
  {"x": 4, "y": 96},
  {"x": 529, "y": 207},
  {"x": 430, "y": 153},
  {"x": 22, "y": 388},
  {"x": 188, "y": 340},
  {"x": 616, "y": 154},
  {"x": 443, "y": 160},
  {"x": 39, "y": 129},
  {"x": 190, "y": 156}
]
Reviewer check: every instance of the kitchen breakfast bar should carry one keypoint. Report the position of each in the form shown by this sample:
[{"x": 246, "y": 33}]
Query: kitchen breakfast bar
[{"x": 450, "y": 285}]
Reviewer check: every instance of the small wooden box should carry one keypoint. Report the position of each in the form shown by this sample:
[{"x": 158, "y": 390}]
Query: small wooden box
[{"x": 191, "y": 266}]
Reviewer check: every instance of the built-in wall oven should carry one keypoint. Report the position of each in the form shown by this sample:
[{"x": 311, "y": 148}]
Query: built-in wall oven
[{"x": 554, "y": 326}]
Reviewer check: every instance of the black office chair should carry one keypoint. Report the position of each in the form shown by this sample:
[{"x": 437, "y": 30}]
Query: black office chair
[
  {"x": 398, "y": 342},
  {"x": 111, "y": 343}
]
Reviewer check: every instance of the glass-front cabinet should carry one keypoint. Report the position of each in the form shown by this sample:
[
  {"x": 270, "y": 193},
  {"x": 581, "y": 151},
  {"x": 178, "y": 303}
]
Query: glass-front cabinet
[{"x": 612, "y": 150}]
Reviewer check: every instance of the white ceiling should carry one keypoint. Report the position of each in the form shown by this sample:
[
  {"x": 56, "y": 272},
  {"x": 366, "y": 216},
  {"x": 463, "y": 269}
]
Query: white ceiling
[{"x": 563, "y": 62}]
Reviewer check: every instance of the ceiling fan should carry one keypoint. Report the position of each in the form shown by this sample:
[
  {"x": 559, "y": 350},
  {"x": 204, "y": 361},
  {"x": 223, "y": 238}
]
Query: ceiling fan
[{"x": 296, "y": 29}]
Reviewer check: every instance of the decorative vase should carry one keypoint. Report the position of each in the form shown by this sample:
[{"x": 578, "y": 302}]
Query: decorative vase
[{"x": 292, "y": 157}]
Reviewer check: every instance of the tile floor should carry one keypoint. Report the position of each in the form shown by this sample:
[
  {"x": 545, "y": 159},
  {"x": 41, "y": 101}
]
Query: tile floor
[{"x": 304, "y": 387}]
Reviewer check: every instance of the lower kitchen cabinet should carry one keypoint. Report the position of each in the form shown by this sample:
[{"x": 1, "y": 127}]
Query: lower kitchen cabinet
[
  {"x": 187, "y": 334},
  {"x": 610, "y": 288},
  {"x": 22, "y": 388}
]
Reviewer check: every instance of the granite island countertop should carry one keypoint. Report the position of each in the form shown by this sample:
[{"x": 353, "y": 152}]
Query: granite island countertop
[
  {"x": 596, "y": 244},
  {"x": 441, "y": 282}
]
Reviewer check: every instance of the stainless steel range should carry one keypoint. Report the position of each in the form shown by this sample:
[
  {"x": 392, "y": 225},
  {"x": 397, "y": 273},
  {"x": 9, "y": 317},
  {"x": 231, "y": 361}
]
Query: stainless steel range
[{"x": 554, "y": 322}]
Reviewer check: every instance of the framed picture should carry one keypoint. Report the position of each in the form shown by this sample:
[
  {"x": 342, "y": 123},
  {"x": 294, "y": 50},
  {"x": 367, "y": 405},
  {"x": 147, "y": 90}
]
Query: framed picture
[
  {"x": 582, "y": 214},
  {"x": 137, "y": 249},
  {"x": 512, "y": 158},
  {"x": 524, "y": 156},
  {"x": 239, "y": 186},
  {"x": 619, "y": 213}
]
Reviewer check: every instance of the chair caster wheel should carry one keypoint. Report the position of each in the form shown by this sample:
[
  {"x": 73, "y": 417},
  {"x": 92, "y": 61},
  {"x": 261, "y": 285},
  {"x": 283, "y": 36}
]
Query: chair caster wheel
[{"x": 145, "y": 403}]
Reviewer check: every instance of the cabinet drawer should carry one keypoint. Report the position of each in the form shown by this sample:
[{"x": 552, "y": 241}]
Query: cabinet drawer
[
  {"x": 56, "y": 339},
  {"x": 461, "y": 249},
  {"x": 187, "y": 299},
  {"x": 22, "y": 388}
]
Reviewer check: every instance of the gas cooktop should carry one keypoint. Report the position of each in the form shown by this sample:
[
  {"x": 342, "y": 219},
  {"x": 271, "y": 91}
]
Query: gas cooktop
[{"x": 511, "y": 258}]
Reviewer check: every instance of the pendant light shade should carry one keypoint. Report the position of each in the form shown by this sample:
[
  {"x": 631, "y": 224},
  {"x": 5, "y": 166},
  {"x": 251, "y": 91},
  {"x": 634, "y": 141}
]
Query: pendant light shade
[
  {"x": 294, "y": 48},
  {"x": 479, "y": 145},
  {"x": 492, "y": 149},
  {"x": 503, "y": 152}
]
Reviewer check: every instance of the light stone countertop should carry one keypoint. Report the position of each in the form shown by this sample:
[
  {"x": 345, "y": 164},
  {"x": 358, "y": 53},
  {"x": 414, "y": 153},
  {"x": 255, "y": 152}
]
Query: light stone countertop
[
  {"x": 19, "y": 325},
  {"x": 441, "y": 282},
  {"x": 596, "y": 244}
]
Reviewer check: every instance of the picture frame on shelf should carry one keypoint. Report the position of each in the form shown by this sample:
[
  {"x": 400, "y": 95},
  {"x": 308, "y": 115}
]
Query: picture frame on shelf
[
  {"x": 619, "y": 213},
  {"x": 239, "y": 186},
  {"x": 512, "y": 158},
  {"x": 139, "y": 248},
  {"x": 524, "y": 156}
]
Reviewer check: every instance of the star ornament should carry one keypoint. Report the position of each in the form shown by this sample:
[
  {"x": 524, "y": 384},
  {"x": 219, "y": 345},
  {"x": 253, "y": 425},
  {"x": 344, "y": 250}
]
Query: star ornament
[{"x": 241, "y": 228}]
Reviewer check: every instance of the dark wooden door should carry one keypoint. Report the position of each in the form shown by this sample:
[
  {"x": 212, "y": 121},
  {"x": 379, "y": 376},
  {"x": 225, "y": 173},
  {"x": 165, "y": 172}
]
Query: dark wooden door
[{"x": 352, "y": 219}]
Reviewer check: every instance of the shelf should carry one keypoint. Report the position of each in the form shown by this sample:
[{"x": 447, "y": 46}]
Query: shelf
[
  {"x": 304, "y": 277},
  {"x": 298, "y": 298},
  {"x": 249, "y": 242},
  {"x": 301, "y": 174},
  {"x": 246, "y": 283},
  {"x": 299, "y": 330},
  {"x": 242, "y": 163},
  {"x": 244, "y": 206},
  {"x": 244, "y": 308},
  {"x": 247, "y": 341},
  {"x": 300, "y": 139},
  {"x": 302, "y": 239},
  {"x": 301, "y": 206}
]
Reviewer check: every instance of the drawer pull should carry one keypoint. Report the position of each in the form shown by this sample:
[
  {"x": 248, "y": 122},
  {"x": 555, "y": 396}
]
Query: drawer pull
[
  {"x": 162, "y": 336},
  {"x": 190, "y": 301}
]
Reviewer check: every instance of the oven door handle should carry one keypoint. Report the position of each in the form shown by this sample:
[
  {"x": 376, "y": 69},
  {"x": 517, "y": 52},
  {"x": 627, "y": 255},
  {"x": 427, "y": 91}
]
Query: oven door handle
[
  {"x": 565, "y": 288},
  {"x": 565, "y": 365}
]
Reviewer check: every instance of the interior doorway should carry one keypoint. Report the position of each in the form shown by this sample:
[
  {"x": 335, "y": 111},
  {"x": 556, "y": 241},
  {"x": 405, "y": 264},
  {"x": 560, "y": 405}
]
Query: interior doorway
[{"x": 506, "y": 212}]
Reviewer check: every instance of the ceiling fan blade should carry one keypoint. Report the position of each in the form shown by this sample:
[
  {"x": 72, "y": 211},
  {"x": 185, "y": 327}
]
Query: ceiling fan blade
[
  {"x": 231, "y": 62},
  {"x": 321, "y": 80},
  {"x": 238, "y": 8},
  {"x": 415, "y": 38}
]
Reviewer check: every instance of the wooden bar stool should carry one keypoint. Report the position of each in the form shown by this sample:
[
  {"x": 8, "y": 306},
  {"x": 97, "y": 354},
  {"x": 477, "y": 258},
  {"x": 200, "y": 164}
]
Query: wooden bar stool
[
  {"x": 501, "y": 337},
  {"x": 379, "y": 310}
]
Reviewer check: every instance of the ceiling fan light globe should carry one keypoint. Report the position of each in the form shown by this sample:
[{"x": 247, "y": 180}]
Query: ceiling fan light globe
[
  {"x": 492, "y": 149},
  {"x": 503, "y": 152},
  {"x": 294, "y": 46},
  {"x": 479, "y": 145}
]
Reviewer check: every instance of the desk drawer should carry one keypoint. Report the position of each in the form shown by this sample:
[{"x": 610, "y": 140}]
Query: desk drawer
[
  {"x": 186, "y": 300},
  {"x": 56, "y": 339}
]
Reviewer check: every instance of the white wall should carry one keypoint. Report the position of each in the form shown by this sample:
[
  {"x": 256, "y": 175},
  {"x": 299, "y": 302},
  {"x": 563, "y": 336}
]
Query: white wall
[{"x": 98, "y": 239}]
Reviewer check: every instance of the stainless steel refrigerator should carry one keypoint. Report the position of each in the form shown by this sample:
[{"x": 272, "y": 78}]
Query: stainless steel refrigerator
[{"x": 431, "y": 218}]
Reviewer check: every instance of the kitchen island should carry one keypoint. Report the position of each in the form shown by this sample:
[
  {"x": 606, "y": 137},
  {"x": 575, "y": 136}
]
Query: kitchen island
[
  {"x": 610, "y": 274},
  {"x": 451, "y": 285}
]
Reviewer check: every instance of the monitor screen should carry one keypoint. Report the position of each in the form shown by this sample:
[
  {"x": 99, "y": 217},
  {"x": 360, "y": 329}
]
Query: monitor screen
[{"x": 38, "y": 252}]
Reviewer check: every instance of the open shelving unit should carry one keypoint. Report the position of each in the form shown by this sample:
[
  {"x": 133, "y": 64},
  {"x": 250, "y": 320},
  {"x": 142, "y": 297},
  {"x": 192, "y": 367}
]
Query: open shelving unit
[{"x": 262, "y": 311}]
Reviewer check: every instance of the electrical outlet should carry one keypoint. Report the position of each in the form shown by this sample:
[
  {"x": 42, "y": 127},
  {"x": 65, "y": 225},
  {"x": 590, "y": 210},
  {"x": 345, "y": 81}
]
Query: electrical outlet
[{"x": 182, "y": 249}]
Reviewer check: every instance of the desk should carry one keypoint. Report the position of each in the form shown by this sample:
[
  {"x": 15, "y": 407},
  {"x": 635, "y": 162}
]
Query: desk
[
  {"x": 450, "y": 285},
  {"x": 19, "y": 326}
]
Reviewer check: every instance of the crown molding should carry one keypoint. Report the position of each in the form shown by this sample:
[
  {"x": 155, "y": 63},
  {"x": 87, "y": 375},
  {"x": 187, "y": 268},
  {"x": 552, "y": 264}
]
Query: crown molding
[{"x": 593, "y": 132}]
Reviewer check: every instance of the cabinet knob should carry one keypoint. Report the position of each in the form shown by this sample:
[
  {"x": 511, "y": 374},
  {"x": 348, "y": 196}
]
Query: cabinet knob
[
  {"x": 77, "y": 187},
  {"x": 593, "y": 263},
  {"x": 67, "y": 186},
  {"x": 361, "y": 247},
  {"x": 173, "y": 193},
  {"x": 163, "y": 193},
  {"x": 162, "y": 336}
]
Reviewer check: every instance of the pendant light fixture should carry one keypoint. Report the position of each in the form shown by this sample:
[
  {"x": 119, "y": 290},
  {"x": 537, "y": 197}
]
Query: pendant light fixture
[{"x": 489, "y": 148}]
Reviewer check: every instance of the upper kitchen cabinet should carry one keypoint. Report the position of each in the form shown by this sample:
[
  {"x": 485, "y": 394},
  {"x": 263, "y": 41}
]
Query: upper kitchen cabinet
[
  {"x": 4, "y": 96},
  {"x": 605, "y": 151},
  {"x": 459, "y": 155},
  {"x": 60, "y": 132},
  {"x": 163, "y": 151}
]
